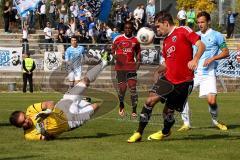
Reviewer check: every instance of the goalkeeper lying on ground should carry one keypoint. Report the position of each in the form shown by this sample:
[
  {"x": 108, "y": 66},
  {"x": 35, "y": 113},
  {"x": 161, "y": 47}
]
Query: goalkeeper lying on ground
[{"x": 46, "y": 120}]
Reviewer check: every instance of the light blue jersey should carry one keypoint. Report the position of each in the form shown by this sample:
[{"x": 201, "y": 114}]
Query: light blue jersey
[
  {"x": 214, "y": 42},
  {"x": 75, "y": 56}
]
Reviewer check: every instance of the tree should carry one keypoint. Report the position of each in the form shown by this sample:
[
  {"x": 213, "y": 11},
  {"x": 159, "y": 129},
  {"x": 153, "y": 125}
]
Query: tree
[{"x": 198, "y": 5}]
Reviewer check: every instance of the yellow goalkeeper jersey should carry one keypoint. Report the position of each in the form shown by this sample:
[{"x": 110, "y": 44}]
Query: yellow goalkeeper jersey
[{"x": 54, "y": 124}]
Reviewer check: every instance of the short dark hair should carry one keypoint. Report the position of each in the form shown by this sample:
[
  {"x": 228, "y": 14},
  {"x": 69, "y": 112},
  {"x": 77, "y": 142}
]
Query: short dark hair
[
  {"x": 75, "y": 37},
  {"x": 164, "y": 16},
  {"x": 204, "y": 14},
  {"x": 14, "y": 117},
  {"x": 128, "y": 23}
]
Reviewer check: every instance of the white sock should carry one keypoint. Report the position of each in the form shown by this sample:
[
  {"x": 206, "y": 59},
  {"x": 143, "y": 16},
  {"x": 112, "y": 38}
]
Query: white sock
[{"x": 185, "y": 115}]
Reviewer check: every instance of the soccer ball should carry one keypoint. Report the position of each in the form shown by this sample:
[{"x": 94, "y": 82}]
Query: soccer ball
[{"x": 145, "y": 35}]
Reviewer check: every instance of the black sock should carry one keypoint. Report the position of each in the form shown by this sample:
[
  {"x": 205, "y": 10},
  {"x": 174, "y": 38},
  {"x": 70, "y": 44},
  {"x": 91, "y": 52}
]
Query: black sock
[
  {"x": 213, "y": 109},
  {"x": 144, "y": 118},
  {"x": 168, "y": 122}
]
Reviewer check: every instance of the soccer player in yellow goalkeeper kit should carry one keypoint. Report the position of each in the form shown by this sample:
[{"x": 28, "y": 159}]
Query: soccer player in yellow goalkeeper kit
[{"x": 46, "y": 120}]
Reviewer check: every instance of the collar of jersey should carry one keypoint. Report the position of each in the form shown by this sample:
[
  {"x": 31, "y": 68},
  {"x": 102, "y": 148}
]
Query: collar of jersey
[
  {"x": 207, "y": 32},
  {"x": 127, "y": 37}
]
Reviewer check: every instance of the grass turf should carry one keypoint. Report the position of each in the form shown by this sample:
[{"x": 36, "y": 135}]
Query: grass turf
[{"x": 104, "y": 137}]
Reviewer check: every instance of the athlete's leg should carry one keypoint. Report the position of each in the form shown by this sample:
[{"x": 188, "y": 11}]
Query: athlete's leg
[
  {"x": 121, "y": 77},
  {"x": 134, "y": 96},
  {"x": 91, "y": 75},
  {"x": 185, "y": 115},
  {"x": 146, "y": 112},
  {"x": 213, "y": 108}
]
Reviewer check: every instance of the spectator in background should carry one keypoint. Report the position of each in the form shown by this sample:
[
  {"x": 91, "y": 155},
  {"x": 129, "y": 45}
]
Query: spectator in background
[
  {"x": 25, "y": 44},
  {"x": 150, "y": 12},
  {"x": 31, "y": 20},
  {"x": 92, "y": 30},
  {"x": 125, "y": 12},
  {"x": 101, "y": 36},
  {"x": 6, "y": 15},
  {"x": 143, "y": 14},
  {"x": 115, "y": 33},
  {"x": 181, "y": 16},
  {"x": 52, "y": 13},
  {"x": 231, "y": 18},
  {"x": 191, "y": 18},
  {"x": 13, "y": 20},
  {"x": 62, "y": 26},
  {"x": 48, "y": 36},
  {"x": 28, "y": 68},
  {"x": 42, "y": 14},
  {"x": 119, "y": 19},
  {"x": 61, "y": 37},
  {"x": 138, "y": 16},
  {"x": 82, "y": 32},
  {"x": 130, "y": 17},
  {"x": 74, "y": 10},
  {"x": 82, "y": 14},
  {"x": 63, "y": 11},
  {"x": 108, "y": 32}
]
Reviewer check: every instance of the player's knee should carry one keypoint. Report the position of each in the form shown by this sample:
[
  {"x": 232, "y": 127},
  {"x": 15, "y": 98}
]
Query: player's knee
[
  {"x": 150, "y": 102},
  {"x": 132, "y": 83},
  {"x": 86, "y": 81},
  {"x": 95, "y": 106},
  {"x": 212, "y": 103},
  {"x": 122, "y": 87}
]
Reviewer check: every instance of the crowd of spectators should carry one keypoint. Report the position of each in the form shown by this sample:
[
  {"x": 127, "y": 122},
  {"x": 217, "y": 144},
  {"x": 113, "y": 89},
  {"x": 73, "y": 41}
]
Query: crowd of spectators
[{"x": 75, "y": 17}]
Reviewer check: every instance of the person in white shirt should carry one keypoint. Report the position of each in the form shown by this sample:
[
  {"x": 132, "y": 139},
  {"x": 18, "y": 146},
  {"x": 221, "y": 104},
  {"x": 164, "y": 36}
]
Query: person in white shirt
[
  {"x": 109, "y": 32},
  {"x": 48, "y": 36},
  {"x": 138, "y": 16},
  {"x": 181, "y": 16},
  {"x": 74, "y": 9}
]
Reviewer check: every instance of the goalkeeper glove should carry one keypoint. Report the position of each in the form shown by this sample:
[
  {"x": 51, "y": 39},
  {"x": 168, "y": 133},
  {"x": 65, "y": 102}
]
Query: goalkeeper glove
[
  {"x": 40, "y": 128},
  {"x": 43, "y": 114}
]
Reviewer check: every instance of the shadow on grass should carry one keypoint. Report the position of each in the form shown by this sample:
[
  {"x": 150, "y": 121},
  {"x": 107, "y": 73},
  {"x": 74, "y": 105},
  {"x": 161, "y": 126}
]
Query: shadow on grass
[
  {"x": 4, "y": 124},
  {"x": 233, "y": 126},
  {"x": 19, "y": 157},
  {"x": 207, "y": 137},
  {"x": 98, "y": 135}
]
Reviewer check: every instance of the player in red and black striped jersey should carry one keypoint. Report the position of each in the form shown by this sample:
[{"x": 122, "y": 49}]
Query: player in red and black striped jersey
[
  {"x": 173, "y": 79},
  {"x": 126, "y": 50}
]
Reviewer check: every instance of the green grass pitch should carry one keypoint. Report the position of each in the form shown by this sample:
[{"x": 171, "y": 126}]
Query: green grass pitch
[{"x": 104, "y": 137}]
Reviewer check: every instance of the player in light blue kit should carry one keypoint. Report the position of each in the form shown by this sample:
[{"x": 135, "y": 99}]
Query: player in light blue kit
[
  {"x": 74, "y": 58},
  {"x": 205, "y": 76}
]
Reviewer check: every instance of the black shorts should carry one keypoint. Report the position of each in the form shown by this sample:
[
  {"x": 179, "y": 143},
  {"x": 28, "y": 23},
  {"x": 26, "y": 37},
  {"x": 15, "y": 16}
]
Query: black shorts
[
  {"x": 124, "y": 76},
  {"x": 174, "y": 95}
]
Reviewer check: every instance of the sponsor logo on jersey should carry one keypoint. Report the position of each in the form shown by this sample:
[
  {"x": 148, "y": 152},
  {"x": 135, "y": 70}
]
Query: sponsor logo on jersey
[
  {"x": 170, "y": 50},
  {"x": 174, "y": 38}
]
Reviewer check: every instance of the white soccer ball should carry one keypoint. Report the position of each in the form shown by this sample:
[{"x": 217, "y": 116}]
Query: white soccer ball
[{"x": 145, "y": 35}]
